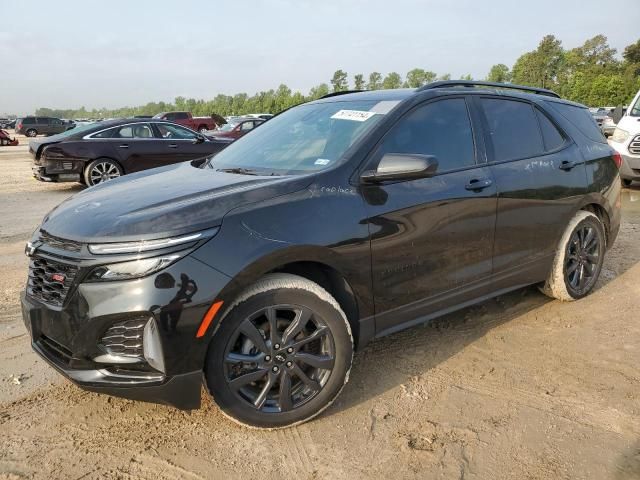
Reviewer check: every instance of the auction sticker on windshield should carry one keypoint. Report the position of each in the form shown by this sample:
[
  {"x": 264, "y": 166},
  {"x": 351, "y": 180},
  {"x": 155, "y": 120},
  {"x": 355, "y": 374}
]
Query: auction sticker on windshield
[{"x": 353, "y": 115}]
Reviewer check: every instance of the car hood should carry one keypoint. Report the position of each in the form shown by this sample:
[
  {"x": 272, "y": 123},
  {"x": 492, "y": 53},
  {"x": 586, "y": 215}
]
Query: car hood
[{"x": 162, "y": 202}]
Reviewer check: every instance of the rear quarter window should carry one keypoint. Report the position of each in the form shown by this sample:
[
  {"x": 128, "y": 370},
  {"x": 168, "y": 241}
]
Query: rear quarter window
[
  {"x": 28, "y": 121},
  {"x": 580, "y": 118}
]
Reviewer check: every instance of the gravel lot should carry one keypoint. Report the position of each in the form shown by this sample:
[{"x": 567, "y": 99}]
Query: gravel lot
[{"x": 518, "y": 387}]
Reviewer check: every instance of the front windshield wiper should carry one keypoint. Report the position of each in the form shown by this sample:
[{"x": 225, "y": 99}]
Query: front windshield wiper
[{"x": 238, "y": 170}]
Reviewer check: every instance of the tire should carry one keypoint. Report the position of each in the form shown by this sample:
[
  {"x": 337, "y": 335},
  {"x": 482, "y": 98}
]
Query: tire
[
  {"x": 32, "y": 132},
  {"x": 202, "y": 128},
  {"x": 626, "y": 182},
  {"x": 4, "y": 142},
  {"x": 261, "y": 386},
  {"x": 578, "y": 261},
  {"x": 101, "y": 170}
]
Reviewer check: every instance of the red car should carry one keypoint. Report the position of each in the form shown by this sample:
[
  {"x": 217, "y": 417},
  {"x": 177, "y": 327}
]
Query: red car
[
  {"x": 200, "y": 124},
  {"x": 236, "y": 128}
]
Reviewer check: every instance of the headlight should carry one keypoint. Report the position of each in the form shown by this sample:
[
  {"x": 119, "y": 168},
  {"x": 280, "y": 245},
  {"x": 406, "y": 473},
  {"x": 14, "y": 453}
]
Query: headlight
[
  {"x": 148, "y": 245},
  {"x": 619, "y": 135},
  {"x": 133, "y": 269}
]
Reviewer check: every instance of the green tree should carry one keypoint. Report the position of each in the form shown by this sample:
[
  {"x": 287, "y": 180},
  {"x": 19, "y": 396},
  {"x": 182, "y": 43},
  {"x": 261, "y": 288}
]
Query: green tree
[
  {"x": 418, "y": 77},
  {"x": 445, "y": 76},
  {"x": 391, "y": 81},
  {"x": 375, "y": 81},
  {"x": 339, "y": 81},
  {"x": 466, "y": 77},
  {"x": 359, "y": 81},
  {"x": 499, "y": 73},
  {"x": 318, "y": 91}
]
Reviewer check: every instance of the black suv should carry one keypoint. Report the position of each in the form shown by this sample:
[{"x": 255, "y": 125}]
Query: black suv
[
  {"x": 340, "y": 220},
  {"x": 33, "y": 126}
]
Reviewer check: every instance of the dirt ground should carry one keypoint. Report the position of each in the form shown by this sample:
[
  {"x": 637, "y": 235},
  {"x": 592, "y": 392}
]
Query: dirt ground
[{"x": 518, "y": 387}]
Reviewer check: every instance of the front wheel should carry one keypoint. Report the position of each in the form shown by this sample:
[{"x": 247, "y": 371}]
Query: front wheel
[
  {"x": 578, "y": 261},
  {"x": 281, "y": 355},
  {"x": 31, "y": 133}
]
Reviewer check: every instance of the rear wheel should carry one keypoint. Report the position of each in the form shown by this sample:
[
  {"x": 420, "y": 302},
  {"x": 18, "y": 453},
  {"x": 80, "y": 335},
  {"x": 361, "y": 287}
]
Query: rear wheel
[
  {"x": 281, "y": 355},
  {"x": 202, "y": 129},
  {"x": 578, "y": 260},
  {"x": 101, "y": 170},
  {"x": 32, "y": 132}
]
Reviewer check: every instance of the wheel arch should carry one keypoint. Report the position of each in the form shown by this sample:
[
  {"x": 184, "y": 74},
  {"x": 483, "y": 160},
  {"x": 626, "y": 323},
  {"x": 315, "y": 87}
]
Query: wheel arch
[{"x": 312, "y": 263}]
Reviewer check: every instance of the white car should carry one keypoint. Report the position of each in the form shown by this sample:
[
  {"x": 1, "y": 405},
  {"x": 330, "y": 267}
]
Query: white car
[{"x": 626, "y": 140}]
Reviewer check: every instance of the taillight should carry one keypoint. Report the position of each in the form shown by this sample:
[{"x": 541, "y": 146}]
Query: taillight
[{"x": 617, "y": 158}]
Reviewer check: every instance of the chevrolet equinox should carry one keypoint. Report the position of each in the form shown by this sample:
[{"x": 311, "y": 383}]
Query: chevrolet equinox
[{"x": 262, "y": 269}]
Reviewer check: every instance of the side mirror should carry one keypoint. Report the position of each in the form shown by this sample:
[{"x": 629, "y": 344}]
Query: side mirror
[
  {"x": 199, "y": 139},
  {"x": 401, "y": 166}
]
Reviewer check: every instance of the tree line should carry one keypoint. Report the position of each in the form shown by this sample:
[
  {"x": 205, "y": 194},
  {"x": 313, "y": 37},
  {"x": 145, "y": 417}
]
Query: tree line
[{"x": 591, "y": 74}]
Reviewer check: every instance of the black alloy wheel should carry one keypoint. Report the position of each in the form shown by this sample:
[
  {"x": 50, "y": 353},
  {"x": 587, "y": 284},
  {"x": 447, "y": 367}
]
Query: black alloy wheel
[
  {"x": 280, "y": 355},
  {"x": 279, "y": 358},
  {"x": 583, "y": 259}
]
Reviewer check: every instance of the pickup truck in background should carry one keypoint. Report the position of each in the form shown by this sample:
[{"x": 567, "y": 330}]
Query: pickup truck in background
[{"x": 200, "y": 124}]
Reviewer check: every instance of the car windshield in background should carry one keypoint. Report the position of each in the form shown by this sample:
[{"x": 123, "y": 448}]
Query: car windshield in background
[
  {"x": 73, "y": 131},
  {"x": 635, "y": 110},
  {"x": 227, "y": 127},
  {"x": 304, "y": 139}
]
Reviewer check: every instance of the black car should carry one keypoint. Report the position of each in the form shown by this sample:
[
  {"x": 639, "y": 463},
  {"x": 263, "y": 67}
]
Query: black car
[
  {"x": 94, "y": 153},
  {"x": 337, "y": 221}
]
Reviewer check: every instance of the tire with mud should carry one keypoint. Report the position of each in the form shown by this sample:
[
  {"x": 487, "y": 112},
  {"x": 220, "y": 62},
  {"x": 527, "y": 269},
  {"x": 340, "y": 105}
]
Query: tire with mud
[
  {"x": 281, "y": 354},
  {"x": 578, "y": 261}
]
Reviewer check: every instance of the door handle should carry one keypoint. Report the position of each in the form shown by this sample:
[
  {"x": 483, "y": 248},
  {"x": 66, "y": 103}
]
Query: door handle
[
  {"x": 477, "y": 184},
  {"x": 124, "y": 145},
  {"x": 173, "y": 145},
  {"x": 568, "y": 164}
]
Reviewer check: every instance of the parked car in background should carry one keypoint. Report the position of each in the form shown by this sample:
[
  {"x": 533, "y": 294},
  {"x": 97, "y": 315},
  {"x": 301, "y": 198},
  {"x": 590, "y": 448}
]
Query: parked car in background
[
  {"x": 338, "y": 221},
  {"x": 236, "y": 128},
  {"x": 98, "y": 152},
  {"x": 8, "y": 124},
  {"x": 626, "y": 140},
  {"x": 200, "y": 124},
  {"x": 263, "y": 116},
  {"x": 33, "y": 126}
]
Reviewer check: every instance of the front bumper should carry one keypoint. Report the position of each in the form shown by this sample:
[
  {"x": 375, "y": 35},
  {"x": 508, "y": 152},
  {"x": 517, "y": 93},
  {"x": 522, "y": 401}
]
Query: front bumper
[{"x": 69, "y": 337}]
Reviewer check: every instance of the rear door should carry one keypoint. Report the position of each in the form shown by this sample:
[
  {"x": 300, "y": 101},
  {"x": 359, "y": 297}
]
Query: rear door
[
  {"x": 540, "y": 175},
  {"x": 431, "y": 238},
  {"x": 137, "y": 146}
]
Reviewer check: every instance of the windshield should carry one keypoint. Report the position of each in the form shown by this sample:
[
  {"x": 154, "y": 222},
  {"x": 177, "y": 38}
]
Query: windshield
[
  {"x": 227, "y": 127},
  {"x": 307, "y": 138},
  {"x": 635, "y": 110}
]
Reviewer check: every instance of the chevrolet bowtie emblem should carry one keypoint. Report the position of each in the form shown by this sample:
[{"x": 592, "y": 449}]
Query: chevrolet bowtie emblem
[{"x": 30, "y": 249}]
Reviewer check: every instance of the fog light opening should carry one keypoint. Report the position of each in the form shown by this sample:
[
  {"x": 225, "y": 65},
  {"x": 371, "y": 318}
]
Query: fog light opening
[{"x": 152, "y": 347}]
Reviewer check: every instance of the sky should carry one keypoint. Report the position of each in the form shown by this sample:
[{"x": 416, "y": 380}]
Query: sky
[{"x": 77, "y": 53}]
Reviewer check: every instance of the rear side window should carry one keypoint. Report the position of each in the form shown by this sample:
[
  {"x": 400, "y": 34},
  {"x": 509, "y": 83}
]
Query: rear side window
[
  {"x": 42, "y": 120},
  {"x": 29, "y": 121},
  {"x": 513, "y": 129},
  {"x": 181, "y": 116},
  {"x": 581, "y": 119},
  {"x": 552, "y": 137},
  {"x": 440, "y": 128}
]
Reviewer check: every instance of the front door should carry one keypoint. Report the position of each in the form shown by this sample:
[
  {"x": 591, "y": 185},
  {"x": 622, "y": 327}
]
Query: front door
[{"x": 431, "y": 238}]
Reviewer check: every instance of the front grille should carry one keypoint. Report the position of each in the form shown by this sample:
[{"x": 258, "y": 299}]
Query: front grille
[
  {"x": 61, "y": 243},
  {"x": 125, "y": 338},
  {"x": 50, "y": 281},
  {"x": 55, "y": 349},
  {"x": 634, "y": 146}
]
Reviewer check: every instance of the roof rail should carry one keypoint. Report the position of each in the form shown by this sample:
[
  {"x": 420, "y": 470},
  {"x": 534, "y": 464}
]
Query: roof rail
[
  {"x": 343, "y": 92},
  {"x": 474, "y": 83}
]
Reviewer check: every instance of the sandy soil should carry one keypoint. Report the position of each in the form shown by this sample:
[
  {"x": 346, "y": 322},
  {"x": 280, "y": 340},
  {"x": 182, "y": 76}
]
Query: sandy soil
[{"x": 518, "y": 387}]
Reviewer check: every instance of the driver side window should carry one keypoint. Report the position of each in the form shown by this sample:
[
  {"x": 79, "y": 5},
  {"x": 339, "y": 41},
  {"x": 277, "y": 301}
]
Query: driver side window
[{"x": 441, "y": 128}]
